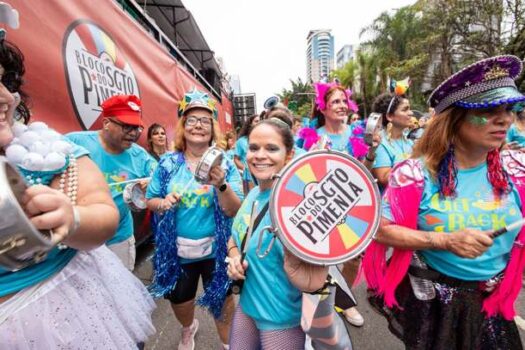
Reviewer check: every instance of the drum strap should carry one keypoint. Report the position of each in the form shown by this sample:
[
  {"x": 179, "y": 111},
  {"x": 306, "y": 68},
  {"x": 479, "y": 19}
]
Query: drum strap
[{"x": 255, "y": 224}]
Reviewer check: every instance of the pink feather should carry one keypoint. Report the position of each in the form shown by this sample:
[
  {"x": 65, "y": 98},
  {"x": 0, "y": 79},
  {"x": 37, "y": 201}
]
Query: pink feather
[
  {"x": 310, "y": 137},
  {"x": 359, "y": 147},
  {"x": 501, "y": 300}
]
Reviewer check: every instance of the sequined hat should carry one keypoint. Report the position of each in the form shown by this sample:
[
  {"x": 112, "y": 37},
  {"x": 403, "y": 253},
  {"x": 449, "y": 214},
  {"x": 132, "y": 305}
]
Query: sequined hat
[
  {"x": 197, "y": 99},
  {"x": 484, "y": 84}
]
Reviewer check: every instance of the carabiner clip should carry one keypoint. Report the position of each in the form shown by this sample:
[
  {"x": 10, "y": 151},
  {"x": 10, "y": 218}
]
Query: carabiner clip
[{"x": 259, "y": 243}]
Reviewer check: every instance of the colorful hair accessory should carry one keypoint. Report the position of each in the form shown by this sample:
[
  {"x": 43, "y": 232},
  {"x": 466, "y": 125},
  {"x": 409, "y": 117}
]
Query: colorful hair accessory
[
  {"x": 320, "y": 93},
  {"x": 197, "y": 99},
  {"x": 484, "y": 84},
  {"x": 398, "y": 88}
]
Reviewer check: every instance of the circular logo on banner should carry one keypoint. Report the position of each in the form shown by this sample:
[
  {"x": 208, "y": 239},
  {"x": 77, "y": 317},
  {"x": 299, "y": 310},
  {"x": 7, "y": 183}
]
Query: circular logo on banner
[
  {"x": 95, "y": 70},
  {"x": 326, "y": 207}
]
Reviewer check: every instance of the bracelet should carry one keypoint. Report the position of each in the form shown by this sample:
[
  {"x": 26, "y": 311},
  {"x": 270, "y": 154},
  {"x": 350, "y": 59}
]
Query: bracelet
[
  {"x": 76, "y": 221},
  {"x": 233, "y": 246},
  {"x": 370, "y": 159},
  {"x": 70, "y": 232}
]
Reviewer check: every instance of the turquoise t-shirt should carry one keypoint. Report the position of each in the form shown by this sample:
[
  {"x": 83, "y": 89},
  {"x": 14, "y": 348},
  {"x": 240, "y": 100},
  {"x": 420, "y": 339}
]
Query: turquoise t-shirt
[
  {"x": 475, "y": 207},
  {"x": 298, "y": 151},
  {"x": 230, "y": 153},
  {"x": 12, "y": 282},
  {"x": 515, "y": 135},
  {"x": 195, "y": 212},
  {"x": 133, "y": 163},
  {"x": 340, "y": 142},
  {"x": 391, "y": 152},
  {"x": 241, "y": 150},
  {"x": 267, "y": 297}
]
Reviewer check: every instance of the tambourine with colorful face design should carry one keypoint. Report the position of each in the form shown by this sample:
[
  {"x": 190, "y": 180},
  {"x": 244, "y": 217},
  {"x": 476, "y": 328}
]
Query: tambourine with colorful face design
[{"x": 325, "y": 208}]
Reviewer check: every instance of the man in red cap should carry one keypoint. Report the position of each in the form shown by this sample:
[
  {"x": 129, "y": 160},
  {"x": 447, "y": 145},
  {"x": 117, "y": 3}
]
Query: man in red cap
[{"x": 120, "y": 159}]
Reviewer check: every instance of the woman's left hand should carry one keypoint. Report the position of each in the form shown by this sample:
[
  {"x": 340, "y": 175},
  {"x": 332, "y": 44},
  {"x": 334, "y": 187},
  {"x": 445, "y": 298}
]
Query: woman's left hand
[
  {"x": 304, "y": 276},
  {"x": 217, "y": 176},
  {"x": 376, "y": 139},
  {"x": 49, "y": 209}
]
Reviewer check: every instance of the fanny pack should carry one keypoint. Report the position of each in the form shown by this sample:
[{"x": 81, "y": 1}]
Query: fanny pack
[{"x": 194, "y": 248}]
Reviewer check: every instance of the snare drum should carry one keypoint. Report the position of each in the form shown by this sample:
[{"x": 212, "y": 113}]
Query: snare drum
[
  {"x": 325, "y": 207},
  {"x": 212, "y": 157},
  {"x": 373, "y": 124},
  {"x": 134, "y": 196},
  {"x": 21, "y": 244}
]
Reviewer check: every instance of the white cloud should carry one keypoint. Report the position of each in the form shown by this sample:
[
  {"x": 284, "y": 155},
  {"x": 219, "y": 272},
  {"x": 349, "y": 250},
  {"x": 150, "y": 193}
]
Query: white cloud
[{"x": 264, "y": 42}]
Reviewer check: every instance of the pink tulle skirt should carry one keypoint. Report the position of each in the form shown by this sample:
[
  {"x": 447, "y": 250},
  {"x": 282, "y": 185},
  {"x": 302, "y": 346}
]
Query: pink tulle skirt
[{"x": 93, "y": 303}]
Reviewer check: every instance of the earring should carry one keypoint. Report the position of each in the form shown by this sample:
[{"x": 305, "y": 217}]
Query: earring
[{"x": 389, "y": 127}]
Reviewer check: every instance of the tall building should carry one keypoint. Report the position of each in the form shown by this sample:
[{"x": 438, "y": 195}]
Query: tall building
[
  {"x": 345, "y": 55},
  {"x": 235, "y": 83},
  {"x": 319, "y": 54},
  {"x": 244, "y": 106}
]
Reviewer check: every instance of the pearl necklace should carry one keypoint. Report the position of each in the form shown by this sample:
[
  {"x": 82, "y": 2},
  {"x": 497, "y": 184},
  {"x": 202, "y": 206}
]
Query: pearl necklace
[{"x": 72, "y": 180}]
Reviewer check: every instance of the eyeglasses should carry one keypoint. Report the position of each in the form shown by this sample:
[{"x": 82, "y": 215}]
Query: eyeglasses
[
  {"x": 192, "y": 121},
  {"x": 127, "y": 128}
]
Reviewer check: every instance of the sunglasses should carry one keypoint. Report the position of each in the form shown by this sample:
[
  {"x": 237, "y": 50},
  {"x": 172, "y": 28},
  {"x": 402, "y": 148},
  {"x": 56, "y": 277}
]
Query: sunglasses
[{"x": 127, "y": 128}]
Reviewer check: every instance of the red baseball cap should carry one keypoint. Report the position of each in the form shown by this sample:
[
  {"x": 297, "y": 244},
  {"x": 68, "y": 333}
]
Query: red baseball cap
[{"x": 125, "y": 108}]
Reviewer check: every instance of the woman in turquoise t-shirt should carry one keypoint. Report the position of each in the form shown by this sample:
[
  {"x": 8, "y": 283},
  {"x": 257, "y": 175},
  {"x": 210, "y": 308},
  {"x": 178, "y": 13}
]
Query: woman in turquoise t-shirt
[
  {"x": 191, "y": 238},
  {"x": 395, "y": 146},
  {"x": 269, "y": 312},
  {"x": 79, "y": 296},
  {"x": 451, "y": 280}
]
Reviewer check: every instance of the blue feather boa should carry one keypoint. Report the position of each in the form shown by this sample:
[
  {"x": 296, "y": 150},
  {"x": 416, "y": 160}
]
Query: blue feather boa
[{"x": 166, "y": 263}]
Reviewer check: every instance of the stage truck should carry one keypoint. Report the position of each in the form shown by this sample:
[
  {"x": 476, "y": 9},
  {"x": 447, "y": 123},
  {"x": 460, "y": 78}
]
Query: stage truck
[{"x": 78, "y": 53}]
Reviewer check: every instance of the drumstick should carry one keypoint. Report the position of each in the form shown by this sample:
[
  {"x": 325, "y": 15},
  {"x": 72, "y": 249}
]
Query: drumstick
[
  {"x": 128, "y": 181},
  {"x": 508, "y": 228}
]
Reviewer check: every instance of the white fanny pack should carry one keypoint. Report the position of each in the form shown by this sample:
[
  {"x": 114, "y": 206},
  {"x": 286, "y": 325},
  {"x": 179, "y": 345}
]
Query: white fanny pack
[{"x": 194, "y": 248}]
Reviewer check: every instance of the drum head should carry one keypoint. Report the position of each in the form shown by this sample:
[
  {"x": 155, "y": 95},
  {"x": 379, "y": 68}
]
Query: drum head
[{"x": 325, "y": 207}]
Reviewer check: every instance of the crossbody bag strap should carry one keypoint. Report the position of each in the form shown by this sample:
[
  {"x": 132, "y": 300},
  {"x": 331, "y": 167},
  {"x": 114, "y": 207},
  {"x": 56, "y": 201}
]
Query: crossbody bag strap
[{"x": 255, "y": 224}]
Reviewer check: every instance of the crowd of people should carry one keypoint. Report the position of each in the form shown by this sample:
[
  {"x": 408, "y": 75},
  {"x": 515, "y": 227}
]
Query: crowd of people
[{"x": 445, "y": 267}]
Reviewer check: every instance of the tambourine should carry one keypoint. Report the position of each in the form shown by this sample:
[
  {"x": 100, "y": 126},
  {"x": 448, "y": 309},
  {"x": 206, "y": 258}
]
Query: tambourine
[
  {"x": 134, "y": 196},
  {"x": 373, "y": 124},
  {"x": 416, "y": 134},
  {"x": 212, "y": 157},
  {"x": 271, "y": 102},
  {"x": 325, "y": 208},
  {"x": 21, "y": 244}
]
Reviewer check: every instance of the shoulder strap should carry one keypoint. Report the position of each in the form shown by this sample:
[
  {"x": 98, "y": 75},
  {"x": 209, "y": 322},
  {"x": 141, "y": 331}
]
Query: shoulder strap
[{"x": 255, "y": 224}]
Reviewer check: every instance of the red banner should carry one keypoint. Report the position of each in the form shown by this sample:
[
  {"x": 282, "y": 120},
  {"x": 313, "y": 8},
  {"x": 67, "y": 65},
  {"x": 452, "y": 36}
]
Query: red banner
[{"x": 78, "y": 53}]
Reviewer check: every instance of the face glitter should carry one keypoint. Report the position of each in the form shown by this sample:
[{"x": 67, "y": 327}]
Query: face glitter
[{"x": 477, "y": 120}]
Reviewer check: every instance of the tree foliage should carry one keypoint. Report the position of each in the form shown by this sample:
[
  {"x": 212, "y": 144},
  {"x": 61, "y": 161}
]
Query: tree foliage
[
  {"x": 429, "y": 41},
  {"x": 301, "y": 93}
]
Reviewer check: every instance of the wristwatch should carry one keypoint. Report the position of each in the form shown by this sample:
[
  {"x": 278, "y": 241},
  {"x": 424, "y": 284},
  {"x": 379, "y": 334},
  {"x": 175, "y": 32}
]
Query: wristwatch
[{"x": 223, "y": 187}]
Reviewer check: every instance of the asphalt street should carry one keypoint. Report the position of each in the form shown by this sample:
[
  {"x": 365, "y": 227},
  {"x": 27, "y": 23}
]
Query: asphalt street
[{"x": 373, "y": 335}]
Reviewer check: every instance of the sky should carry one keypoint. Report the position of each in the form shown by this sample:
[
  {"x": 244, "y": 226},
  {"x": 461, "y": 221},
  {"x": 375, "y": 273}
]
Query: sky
[{"x": 264, "y": 41}]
